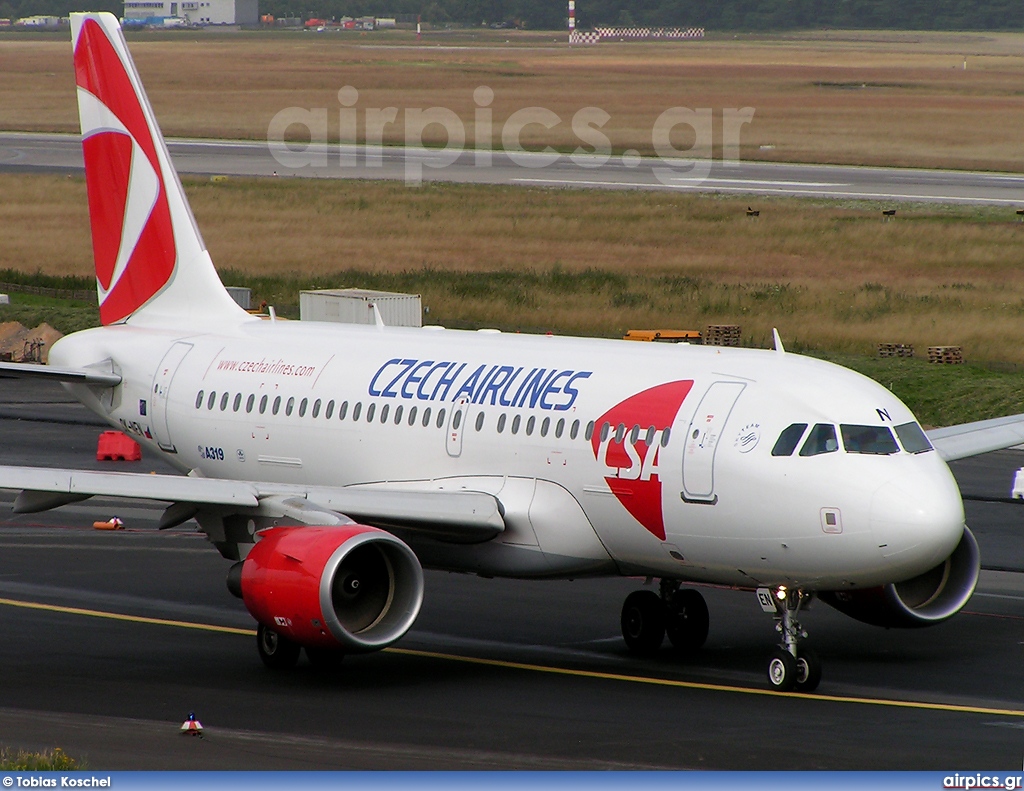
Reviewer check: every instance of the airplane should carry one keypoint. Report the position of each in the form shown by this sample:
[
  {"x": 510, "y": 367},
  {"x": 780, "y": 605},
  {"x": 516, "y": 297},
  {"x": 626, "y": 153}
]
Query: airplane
[{"x": 332, "y": 463}]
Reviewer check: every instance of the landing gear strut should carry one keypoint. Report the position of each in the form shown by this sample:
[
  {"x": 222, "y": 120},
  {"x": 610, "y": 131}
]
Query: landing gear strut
[
  {"x": 648, "y": 616},
  {"x": 789, "y": 667}
]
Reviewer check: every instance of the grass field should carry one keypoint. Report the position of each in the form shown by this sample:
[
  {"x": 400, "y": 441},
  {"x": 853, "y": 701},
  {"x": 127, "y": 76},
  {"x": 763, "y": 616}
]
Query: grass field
[
  {"x": 830, "y": 276},
  {"x": 853, "y": 98}
]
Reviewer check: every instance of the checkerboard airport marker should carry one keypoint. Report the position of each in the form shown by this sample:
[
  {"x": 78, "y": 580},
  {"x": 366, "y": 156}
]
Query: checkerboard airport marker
[
  {"x": 192, "y": 726},
  {"x": 111, "y": 524}
]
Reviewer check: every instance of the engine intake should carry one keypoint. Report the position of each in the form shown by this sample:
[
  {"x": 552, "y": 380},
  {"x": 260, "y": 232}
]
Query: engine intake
[
  {"x": 354, "y": 587},
  {"x": 927, "y": 599}
]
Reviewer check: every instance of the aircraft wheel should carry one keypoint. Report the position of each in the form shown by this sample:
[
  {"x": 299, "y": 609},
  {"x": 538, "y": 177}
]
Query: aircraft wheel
[
  {"x": 324, "y": 658},
  {"x": 277, "y": 652},
  {"x": 643, "y": 622},
  {"x": 808, "y": 671},
  {"x": 782, "y": 670},
  {"x": 687, "y": 620}
]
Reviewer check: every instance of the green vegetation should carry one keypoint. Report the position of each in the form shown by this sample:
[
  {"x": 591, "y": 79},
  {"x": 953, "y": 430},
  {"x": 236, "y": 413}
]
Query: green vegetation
[{"x": 47, "y": 761}]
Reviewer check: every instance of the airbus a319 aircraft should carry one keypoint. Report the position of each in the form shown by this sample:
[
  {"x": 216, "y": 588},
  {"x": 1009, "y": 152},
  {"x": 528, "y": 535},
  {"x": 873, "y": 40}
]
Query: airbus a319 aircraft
[{"x": 332, "y": 463}]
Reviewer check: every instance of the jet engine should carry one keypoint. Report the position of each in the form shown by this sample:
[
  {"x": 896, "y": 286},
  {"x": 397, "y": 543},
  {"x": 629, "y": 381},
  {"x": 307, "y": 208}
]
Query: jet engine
[
  {"x": 353, "y": 588},
  {"x": 924, "y": 600}
]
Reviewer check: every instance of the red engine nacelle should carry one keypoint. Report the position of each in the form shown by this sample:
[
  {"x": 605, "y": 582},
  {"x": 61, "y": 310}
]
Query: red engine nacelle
[
  {"x": 927, "y": 599},
  {"x": 353, "y": 587}
]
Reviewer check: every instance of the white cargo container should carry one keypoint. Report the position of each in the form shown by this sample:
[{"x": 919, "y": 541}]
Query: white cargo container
[{"x": 354, "y": 306}]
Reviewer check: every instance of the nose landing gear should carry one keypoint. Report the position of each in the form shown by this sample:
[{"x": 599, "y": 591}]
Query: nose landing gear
[{"x": 789, "y": 667}]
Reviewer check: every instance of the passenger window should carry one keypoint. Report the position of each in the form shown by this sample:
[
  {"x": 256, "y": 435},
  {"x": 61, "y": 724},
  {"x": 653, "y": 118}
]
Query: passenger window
[
  {"x": 606, "y": 429},
  {"x": 440, "y": 418},
  {"x": 876, "y": 440},
  {"x": 634, "y": 435},
  {"x": 277, "y": 405},
  {"x": 649, "y": 438},
  {"x": 412, "y": 416},
  {"x": 398, "y": 414},
  {"x": 199, "y": 399},
  {"x": 589, "y": 433},
  {"x": 559, "y": 428},
  {"x": 457, "y": 420},
  {"x": 789, "y": 439},
  {"x": 575, "y": 430},
  {"x": 821, "y": 439},
  {"x": 515, "y": 424},
  {"x": 530, "y": 424},
  {"x": 383, "y": 414},
  {"x": 501, "y": 422},
  {"x": 330, "y": 410},
  {"x": 249, "y": 402},
  {"x": 211, "y": 400},
  {"x": 224, "y": 400},
  {"x": 238, "y": 402},
  {"x": 665, "y": 436},
  {"x": 355, "y": 411},
  {"x": 544, "y": 426},
  {"x": 316, "y": 408},
  {"x": 289, "y": 406},
  {"x": 263, "y": 405},
  {"x": 479, "y": 420},
  {"x": 426, "y": 417},
  {"x": 912, "y": 438},
  {"x": 342, "y": 410},
  {"x": 620, "y": 433},
  {"x": 370, "y": 409},
  {"x": 302, "y": 407}
]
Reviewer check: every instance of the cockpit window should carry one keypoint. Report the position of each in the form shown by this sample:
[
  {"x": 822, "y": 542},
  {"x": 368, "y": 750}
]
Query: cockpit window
[
  {"x": 788, "y": 439},
  {"x": 913, "y": 438},
  {"x": 821, "y": 439},
  {"x": 868, "y": 439}
]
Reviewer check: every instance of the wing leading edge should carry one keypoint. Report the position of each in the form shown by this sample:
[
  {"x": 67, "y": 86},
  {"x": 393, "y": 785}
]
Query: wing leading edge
[
  {"x": 460, "y": 516},
  {"x": 973, "y": 439}
]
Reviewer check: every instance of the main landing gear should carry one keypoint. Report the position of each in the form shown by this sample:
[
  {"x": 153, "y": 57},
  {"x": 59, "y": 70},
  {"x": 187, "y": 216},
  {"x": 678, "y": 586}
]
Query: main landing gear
[
  {"x": 679, "y": 613},
  {"x": 790, "y": 668}
]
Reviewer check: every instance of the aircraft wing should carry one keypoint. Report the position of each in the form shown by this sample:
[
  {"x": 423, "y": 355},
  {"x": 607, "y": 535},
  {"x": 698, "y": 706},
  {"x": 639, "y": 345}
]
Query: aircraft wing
[
  {"x": 459, "y": 516},
  {"x": 972, "y": 439},
  {"x": 86, "y": 376}
]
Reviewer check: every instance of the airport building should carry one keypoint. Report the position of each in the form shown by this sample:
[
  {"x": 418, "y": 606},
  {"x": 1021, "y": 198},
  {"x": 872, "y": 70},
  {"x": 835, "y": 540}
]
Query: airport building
[{"x": 192, "y": 12}]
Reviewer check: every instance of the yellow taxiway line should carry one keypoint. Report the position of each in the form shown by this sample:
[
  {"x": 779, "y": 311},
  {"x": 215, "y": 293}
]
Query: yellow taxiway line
[{"x": 560, "y": 671}]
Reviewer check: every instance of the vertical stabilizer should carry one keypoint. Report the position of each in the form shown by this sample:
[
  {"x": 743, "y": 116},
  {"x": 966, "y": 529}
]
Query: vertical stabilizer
[{"x": 151, "y": 264}]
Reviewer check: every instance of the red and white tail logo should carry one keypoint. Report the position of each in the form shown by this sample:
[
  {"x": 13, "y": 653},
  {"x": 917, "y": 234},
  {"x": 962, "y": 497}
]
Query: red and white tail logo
[{"x": 132, "y": 235}]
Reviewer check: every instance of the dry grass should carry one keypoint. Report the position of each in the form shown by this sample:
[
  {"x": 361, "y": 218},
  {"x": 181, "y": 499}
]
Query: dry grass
[
  {"x": 900, "y": 99},
  {"x": 829, "y": 276}
]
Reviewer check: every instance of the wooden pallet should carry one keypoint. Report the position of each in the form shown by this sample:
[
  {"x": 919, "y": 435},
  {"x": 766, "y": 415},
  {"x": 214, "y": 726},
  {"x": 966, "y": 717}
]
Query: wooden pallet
[
  {"x": 948, "y": 355},
  {"x": 895, "y": 350},
  {"x": 722, "y": 335}
]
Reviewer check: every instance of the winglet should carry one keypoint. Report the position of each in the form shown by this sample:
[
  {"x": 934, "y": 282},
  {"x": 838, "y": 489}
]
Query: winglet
[
  {"x": 377, "y": 318},
  {"x": 778, "y": 342}
]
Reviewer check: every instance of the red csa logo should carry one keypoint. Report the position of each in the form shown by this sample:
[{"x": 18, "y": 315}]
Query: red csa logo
[
  {"x": 132, "y": 237},
  {"x": 629, "y": 448}
]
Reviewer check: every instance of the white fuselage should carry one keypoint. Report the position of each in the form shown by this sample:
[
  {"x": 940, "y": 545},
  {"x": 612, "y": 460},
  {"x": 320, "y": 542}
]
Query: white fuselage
[{"x": 681, "y": 483}]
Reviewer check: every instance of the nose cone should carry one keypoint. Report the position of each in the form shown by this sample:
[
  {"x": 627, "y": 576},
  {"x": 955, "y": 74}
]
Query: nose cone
[{"x": 917, "y": 518}]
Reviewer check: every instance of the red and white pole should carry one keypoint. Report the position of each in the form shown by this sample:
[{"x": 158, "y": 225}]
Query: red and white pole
[{"x": 572, "y": 18}]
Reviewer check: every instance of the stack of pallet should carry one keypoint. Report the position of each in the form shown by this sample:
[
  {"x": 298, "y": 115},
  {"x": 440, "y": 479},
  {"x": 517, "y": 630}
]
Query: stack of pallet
[
  {"x": 722, "y": 335},
  {"x": 895, "y": 350},
  {"x": 949, "y": 355}
]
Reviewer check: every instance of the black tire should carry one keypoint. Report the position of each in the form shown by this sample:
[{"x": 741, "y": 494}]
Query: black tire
[
  {"x": 326, "y": 659},
  {"x": 782, "y": 671},
  {"x": 808, "y": 671},
  {"x": 643, "y": 622},
  {"x": 277, "y": 652},
  {"x": 687, "y": 620}
]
